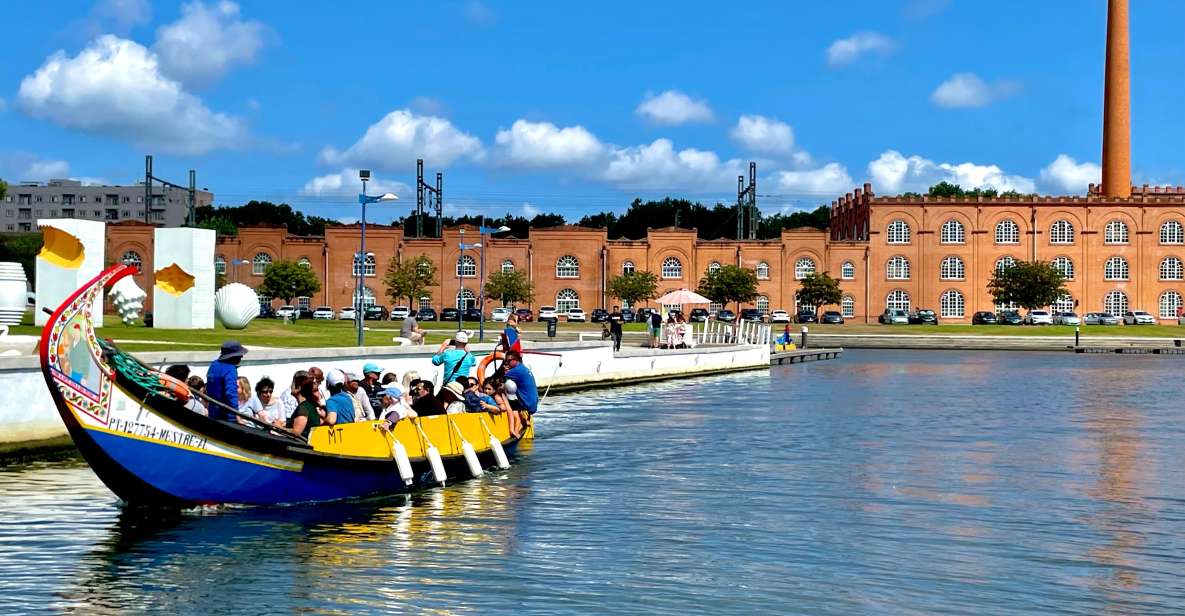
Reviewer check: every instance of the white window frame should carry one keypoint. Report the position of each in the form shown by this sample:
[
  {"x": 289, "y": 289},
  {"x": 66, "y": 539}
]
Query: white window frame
[
  {"x": 1005, "y": 262},
  {"x": 1115, "y": 232},
  {"x": 1007, "y": 232},
  {"x": 1065, "y": 265},
  {"x": 1064, "y": 303},
  {"x": 1061, "y": 232},
  {"x": 220, "y": 264},
  {"x": 1171, "y": 268},
  {"x": 952, "y": 304},
  {"x": 567, "y": 266},
  {"x": 803, "y": 267},
  {"x": 259, "y": 263},
  {"x": 1172, "y": 233},
  {"x": 762, "y": 303},
  {"x": 306, "y": 263},
  {"x": 507, "y": 266},
  {"x": 566, "y": 300},
  {"x": 1170, "y": 304},
  {"x": 466, "y": 266},
  {"x": 952, "y": 233},
  {"x": 952, "y": 268},
  {"x": 897, "y": 232},
  {"x": 425, "y": 302},
  {"x": 131, "y": 257},
  {"x": 369, "y": 265},
  {"x": 466, "y": 298},
  {"x": 628, "y": 267},
  {"x": 847, "y": 271},
  {"x": 714, "y": 266},
  {"x": 847, "y": 306},
  {"x": 762, "y": 270},
  {"x": 1115, "y": 303},
  {"x": 1116, "y": 268},
  {"x": 897, "y": 299},
  {"x": 897, "y": 268},
  {"x": 672, "y": 268}
]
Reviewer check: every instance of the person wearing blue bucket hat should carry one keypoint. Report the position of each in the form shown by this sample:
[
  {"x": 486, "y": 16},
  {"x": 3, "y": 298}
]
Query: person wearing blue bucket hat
[{"x": 222, "y": 381}]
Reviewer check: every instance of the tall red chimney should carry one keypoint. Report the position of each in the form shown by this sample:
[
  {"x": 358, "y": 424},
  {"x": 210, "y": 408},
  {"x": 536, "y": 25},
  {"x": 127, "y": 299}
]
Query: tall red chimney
[{"x": 1117, "y": 167}]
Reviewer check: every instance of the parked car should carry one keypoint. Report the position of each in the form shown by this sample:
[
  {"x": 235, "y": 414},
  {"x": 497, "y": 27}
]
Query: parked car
[
  {"x": 287, "y": 312},
  {"x": 894, "y": 317},
  {"x": 1066, "y": 318},
  {"x": 698, "y": 315},
  {"x": 752, "y": 315},
  {"x": 1009, "y": 317},
  {"x": 1039, "y": 317},
  {"x": 474, "y": 315},
  {"x": 831, "y": 317},
  {"x": 983, "y": 317},
  {"x": 1099, "y": 318},
  {"x": 426, "y": 314},
  {"x": 923, "y": 316},
  {"x": 1138, "y": 317},
  {"x": 304, "y": 313},
  {"x": 779, "y": 316},
  {"x": 450, "y": 315},
  {"x": 548, "y": 313},
  {"x": 726, "y": 315},
  {"x": 375, "y": 313},
  {"x": 576, "y": 314},
  {"x": 501, "y": 314},
  {"x": 525, "y": 315},
  {"x": 266, "y": 311},
  {"x": 806, "y": 315},
  {"x": 628, "y": 315},
  {"x": 347, "y": 314},
  {"x": 399, "y": 313},
  {"x": 643, "y": 315},
  {"x": 323, "y": 313},
  {"x": 599, "y": 315}
]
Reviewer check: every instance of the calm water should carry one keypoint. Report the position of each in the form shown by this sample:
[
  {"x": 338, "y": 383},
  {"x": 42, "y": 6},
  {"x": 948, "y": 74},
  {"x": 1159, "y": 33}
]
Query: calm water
[{"x": 885, "y": 482}]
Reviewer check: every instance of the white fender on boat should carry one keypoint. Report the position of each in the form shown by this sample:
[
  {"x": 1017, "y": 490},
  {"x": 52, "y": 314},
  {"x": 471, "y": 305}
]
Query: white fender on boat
[
  {"x": 471, "y": 459},
  {"x": 403, "y": 462},
  {"x": 496, "y": 446},
  {"x": 433, "y": 455}
]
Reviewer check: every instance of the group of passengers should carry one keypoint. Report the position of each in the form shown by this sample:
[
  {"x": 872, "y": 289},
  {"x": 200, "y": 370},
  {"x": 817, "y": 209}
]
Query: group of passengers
[{"x": 317, "y": 398}]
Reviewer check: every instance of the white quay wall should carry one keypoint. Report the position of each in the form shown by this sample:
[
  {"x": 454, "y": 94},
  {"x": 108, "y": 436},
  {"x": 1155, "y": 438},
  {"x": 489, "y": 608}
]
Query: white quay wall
[{"x": 28, "y": 415}]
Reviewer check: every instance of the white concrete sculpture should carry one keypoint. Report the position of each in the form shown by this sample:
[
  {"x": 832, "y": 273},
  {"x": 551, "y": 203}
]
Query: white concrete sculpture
[
  {"x": 14, "y": 290},
  {"x": 72, "y": 254},
  {"x": 183, "y": 292},
  {"x": 128, "y": 299},
  {"x": 236, "y": 304}
]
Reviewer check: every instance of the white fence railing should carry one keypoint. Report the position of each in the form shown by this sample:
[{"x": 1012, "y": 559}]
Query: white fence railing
[{"x": 745, "y": 332}]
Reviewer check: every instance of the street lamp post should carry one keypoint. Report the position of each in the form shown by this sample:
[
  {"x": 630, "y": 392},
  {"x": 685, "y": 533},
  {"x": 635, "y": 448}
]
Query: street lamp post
[
  {"x": 481, "y": 301},
  {"x": 360, "y": 258}
]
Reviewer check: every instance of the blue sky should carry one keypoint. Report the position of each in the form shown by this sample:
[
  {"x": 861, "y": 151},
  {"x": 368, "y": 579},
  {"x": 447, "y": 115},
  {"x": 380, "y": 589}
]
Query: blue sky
[{"x": 572, "y": 108}]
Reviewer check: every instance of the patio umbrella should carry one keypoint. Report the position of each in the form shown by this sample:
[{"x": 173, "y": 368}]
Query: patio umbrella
[{"x": 682, "y": 296}]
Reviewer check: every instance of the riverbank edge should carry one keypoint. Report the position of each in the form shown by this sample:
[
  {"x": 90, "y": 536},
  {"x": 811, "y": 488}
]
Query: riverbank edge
[{"x": 982, "y": 343}]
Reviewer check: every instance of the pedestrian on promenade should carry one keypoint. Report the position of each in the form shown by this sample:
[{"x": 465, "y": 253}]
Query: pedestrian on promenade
[{"x": 615, "y": 321}]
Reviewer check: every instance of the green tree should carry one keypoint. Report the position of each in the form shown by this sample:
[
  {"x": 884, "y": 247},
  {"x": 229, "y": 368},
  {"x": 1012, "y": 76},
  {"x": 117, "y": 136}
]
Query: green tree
[
  {"x": 1028, "y": 284},
  {"x": 409, "y": 279},
  {"x": 633, "y": 287},
  {"x": 22, "y": 248},
  {"x": 729, "y": 284},
  {"x": 510, "y": 288},
  {"x": 3, "y": 188},
  {"x": 286, "y": 279},
  {"x": 220, "y": 224},
  {"x": 819, "y": 289},
  {"x": 264, "y": 212}
]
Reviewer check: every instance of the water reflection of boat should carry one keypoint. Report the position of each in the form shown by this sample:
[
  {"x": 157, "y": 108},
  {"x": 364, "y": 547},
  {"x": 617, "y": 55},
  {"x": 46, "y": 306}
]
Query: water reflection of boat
[{"x": 130, "y": 424}]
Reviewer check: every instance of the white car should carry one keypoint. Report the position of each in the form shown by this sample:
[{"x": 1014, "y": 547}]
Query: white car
[
  {"x": 894, "y": 317},
  {"x": 1138, "y": 317},
  {"x": 1039, "y": 317},
  {"x": 576, "y": 314},
  {"x": 547, "y": 313},
  {"x": 347, "y": 314},
  {"x": 287, "y": 312},
  {"x": 1066, "y": 318},
  {"x": 500, "y": 315},
  {"x": 779, "y": 316},
  {"x": 323, "y": 313},
  {"x": 399, "y": 313}
]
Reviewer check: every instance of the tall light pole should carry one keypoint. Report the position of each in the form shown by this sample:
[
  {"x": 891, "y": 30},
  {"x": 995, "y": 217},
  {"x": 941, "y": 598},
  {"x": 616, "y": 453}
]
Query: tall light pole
[
  {"x": 360, "y": 258},
  {"x": 481, "y": 301}
]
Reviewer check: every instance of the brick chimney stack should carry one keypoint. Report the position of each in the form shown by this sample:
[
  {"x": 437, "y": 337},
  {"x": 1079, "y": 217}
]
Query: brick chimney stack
[{"x": 1117, "y": 173}]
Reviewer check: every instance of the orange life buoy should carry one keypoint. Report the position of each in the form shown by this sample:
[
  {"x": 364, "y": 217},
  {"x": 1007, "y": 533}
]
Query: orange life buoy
[
  {"x": 175, "y": 388},
  {"x": 485, "y": 361}
]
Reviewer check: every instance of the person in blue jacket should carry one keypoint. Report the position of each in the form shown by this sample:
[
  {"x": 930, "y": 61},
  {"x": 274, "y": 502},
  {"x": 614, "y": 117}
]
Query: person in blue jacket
[{"x": 222, "y": 381}]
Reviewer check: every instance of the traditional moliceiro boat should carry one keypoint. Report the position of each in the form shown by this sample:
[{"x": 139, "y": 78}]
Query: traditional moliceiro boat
[{"x": 130, "y": 423}]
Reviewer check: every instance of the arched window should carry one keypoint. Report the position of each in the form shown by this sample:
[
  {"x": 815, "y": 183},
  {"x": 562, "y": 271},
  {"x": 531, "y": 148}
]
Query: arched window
[
  {"x": 567, "y": 267},
  {"x": 1115, "y": 304},
  {"x": 1171, "y": 232},
  {"x": 1115, "y": 269},
  {"x": 507, "y": 266},
  {"x": 763, "y": 303},
  {"x": 368, "y": 264},
  {"x": 897, "y": 268},
  {"x": 951, "y": 304},
  {"x": 304, "y": 302},
  {"x": 305, "y": 263},
  {"x": 1170, "y": 269},
  {"x": 952, "y": 268},
  {"x": 803, "y": 267},
  {"x": 897, "y": 232},
  {"x": 425, "y": 302},
  {"x": 220, "y": 264},
  {"x": 1115, "y": 232},
  {"x": 628, "y": 267},
  {"x": 897, "y": 300},
  {"x": 567, "y": 299},
  {"x": 466, "y": 266},
  {"x": 1061, "y": 232},
  {"x": 264, "y": 301},
  {"x": 1065, "y": 266},
  {"x": 714, "y": 266},
  {"x": 133, "y": 259},
  {"x": 763, "y": 271},
  {"x": 847, "y": 271},
  {"x": 367, "y": 298},
  {"x": 1007, "y": 232},
  {"x": 1006, "y": 307},
  {"x": 260, "y": 263},
  {"x": 424, "y": 268},
  {"x": 672, "y": 267},
  {"x": 466, "y": 299},
  {"x": 847, "y": 306},
  {"x": 1004, "y": 263},
  {"x": 1170, "y": 304},
  {"x": 1064, "y": 303},
  {"x": 952, "y": 232}
]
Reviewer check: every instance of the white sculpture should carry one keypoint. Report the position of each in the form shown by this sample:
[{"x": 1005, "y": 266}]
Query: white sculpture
[
  {"x": 14, "y": 289},
  {"x": 128, "y": 299},
  {"x": 183, "y": 291},
  {"x": 72, "y": 254},
  {"x": 236, "y": 304}
]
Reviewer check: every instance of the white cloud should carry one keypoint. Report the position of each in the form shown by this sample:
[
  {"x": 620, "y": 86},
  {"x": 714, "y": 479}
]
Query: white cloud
[
  {"x": 847, "y": 50},
  {"x": 893, "y": 173},
  {"x": 114, "y": 87},
  {"x": 206, "y": 42},
  {"x": 761, "y": 134},
  {"x": 478, "y": 13},
  {"x": 121, "y": 15},
  {"x": 830, "y": 179},
  {"x": 530, "y": 211},
  {"x": 345, "y": 184},
  {"x": 658, "y": 165},
  {"x": 402, "y": 136},
  {"x": 672, "y": 108},
  {"x": 968, "y": 90},
  {"x": 543, "y": 144},
  {"x": 1067, "y": 175}
]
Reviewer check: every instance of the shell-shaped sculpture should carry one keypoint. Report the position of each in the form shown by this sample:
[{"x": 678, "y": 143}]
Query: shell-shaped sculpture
[
  {"x": 128, "y": 299},
  {"x": 235, "y": 305},
  {"x": 14, "y": 288}
]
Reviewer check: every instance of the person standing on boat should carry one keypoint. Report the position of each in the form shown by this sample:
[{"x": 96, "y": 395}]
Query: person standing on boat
[
  {"x": 511, "y": 339},
  {"x": 222, "y": 381},
  {"x": 457, "y": 361},
  {"x": 524, "y": 381},
  {"x": 615, "y": 321}
]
